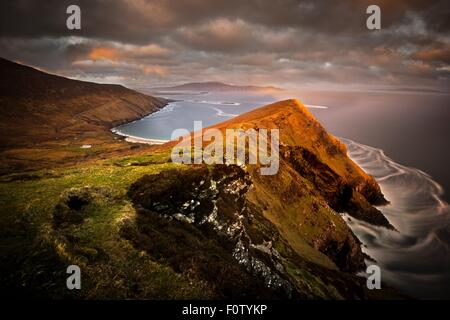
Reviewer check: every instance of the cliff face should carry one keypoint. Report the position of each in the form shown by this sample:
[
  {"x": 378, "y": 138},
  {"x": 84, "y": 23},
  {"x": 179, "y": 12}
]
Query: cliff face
[
  {"x": 316, "y": 181},
  {"x": 164, "y": 230},
  {"x": 201, "y": 222}
]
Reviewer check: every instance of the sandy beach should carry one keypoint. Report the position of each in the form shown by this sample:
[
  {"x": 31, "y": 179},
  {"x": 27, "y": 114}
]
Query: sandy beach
[{"x": 135, "y": 139}]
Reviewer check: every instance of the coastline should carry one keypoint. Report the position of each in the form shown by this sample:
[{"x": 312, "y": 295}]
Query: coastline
[
  {"x": 420, "y": 215},
  {"x": 149, "y": 141},
  {"x": 134, "y": 139}
]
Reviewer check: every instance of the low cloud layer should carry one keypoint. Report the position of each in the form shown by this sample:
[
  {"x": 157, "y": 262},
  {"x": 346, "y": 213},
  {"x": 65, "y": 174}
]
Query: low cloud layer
[{"x": 285, "y": 43}]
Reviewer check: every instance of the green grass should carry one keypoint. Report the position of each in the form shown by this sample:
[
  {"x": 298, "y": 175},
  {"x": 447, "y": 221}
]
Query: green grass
[{"x": 36, "y": 254}]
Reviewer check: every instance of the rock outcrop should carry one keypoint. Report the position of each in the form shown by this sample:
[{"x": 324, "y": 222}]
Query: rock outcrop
[{"x": 200, "y": 222}]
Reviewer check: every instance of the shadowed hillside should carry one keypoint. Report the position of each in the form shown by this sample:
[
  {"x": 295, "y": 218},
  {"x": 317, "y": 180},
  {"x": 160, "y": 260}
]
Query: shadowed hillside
[{"x": 47, "y": 118}]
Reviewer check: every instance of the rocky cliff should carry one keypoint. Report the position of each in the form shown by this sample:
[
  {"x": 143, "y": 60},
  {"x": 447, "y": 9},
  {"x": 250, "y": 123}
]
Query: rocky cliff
[
  {"x": 316, "y": 181},
  {"x": 223, "y": 223}
]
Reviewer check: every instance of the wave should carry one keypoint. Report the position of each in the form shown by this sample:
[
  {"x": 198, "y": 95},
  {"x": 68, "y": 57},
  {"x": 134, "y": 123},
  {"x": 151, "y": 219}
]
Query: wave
[
  {"x": 221, "y": 103},
  {"x": 221, "y": 113},
  {"x": 167, "y": 109},
  {"x": 311, "y": 106},
  {"x": 416, "y": 259},
  {"x": 158, "y": 114}
]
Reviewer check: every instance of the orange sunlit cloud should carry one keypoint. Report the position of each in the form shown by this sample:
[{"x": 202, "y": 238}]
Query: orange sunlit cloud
[
  {"x": 155, "y": 70},
  {"x": 102, "y": 53},
  {"x": 434, "y": 54}
]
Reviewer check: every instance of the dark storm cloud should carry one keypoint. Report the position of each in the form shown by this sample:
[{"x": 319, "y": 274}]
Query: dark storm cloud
[
  {"x": 113, "y": 20},
  {"x": 256, "y": 40},
  {"x": 140, "y": 20}
]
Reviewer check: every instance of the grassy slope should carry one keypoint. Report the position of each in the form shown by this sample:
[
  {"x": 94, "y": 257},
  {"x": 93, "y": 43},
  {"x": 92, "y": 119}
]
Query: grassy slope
[{"x": 35, "y": 255}]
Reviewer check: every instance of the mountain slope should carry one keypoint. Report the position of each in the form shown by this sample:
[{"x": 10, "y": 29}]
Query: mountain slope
[
  {"x": 164, "y": 230},
  {"x": 53, "y": 116},
  {"x": 36, "y": 106},
  {"x": 316, "y": 180},
  {"x": 281, "y": 228}
]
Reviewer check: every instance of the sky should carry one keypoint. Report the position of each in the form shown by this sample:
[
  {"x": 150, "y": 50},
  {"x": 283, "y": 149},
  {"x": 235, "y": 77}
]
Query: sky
[{"x": 290, "y": 44}]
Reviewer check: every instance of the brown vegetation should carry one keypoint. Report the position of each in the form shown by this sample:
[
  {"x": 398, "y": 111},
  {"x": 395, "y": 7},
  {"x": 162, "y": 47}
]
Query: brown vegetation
[{"x": 45, "y": 119}]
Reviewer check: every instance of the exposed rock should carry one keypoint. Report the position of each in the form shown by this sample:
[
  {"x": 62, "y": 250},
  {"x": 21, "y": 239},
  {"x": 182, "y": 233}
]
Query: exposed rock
[
  {"x": 215, "y": 241},
  {"x": 319, "y": 157},
  {"x": 316, "y": 179},
  {"x": 200, "y": 222},
  {"x": 343, "y": 195}
]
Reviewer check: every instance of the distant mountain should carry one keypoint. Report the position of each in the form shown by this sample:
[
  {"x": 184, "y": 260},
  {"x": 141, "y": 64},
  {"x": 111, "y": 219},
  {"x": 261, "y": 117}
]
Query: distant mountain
[
  {"x": 214, "y": 86},
  {"x": 37, "y": 108}
]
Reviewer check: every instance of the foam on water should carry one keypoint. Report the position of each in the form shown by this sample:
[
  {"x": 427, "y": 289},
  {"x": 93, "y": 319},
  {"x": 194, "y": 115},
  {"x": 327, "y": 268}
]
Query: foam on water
[
  {"x": 311, "y": 106},
  {"x": 220, "y": 103},
  {"x": 416, "y": 259},
  {"x": 221, "y": 113},
  {"x": 167, "y": 109}
]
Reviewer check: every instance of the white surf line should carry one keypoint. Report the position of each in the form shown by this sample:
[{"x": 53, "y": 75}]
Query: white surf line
[
  {"x": 221, "y": 113},
  {"x": 131, "y": 138},
  {"x": 166, "y": 109},
  {"x": 145, "y": 141},
  {"x": 418, "y": 212},
  {"x": 311, "y": 106},
  {"x": 220, "y": 103}
]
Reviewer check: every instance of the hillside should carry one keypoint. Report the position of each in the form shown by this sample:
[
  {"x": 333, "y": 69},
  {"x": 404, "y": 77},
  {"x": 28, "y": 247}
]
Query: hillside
[
  {"x": 318, "y": 157},
  {"x": 143, "y": 227},
  {"x": 316, "y": 180},
  {"x": 164, "y": 231},
  {"x": 47, "y": 118},
  {"x": 215, "y": 86}
]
